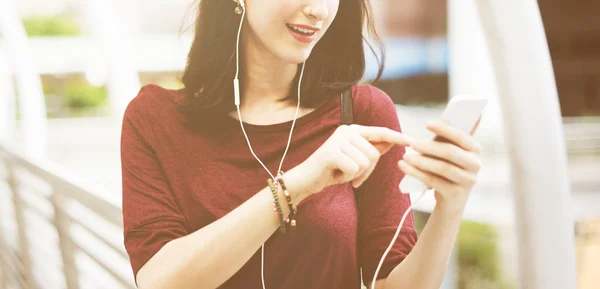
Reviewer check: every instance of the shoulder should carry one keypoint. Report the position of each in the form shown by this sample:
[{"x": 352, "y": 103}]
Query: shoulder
[
  {"x": 152, "y": 100},
  {"x": 373, "y": 107},
  {"x": 151, "y": 108}
]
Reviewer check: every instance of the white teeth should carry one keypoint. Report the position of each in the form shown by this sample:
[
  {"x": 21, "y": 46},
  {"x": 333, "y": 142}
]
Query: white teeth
[{"x": 301, "y": 30}]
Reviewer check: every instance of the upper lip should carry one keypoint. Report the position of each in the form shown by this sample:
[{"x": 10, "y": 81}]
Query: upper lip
[{"x": 313, "y": 28}]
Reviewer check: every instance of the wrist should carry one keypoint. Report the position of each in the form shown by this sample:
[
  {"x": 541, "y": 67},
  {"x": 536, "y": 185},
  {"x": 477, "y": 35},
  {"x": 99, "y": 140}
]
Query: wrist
[
  {"x": 451, "y": 206},
  {"x": 283, "y": 203},
  {"x": 296, "y": 185}
]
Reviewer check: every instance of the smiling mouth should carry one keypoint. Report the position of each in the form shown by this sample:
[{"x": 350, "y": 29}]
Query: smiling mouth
[{"x": 299, "y": 30}]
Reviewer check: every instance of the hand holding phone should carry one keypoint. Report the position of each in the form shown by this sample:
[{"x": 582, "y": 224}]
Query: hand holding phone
[{"x": 462, "y": 112}]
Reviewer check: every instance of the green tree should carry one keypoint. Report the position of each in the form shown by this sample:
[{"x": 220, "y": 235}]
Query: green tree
[{"x": 51, "y": 26}]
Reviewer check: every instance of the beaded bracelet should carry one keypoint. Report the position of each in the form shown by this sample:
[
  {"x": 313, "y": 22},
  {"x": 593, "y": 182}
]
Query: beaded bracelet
[
  {"x": 277, "y": 206},
  {"x": 293, "y": 210}
]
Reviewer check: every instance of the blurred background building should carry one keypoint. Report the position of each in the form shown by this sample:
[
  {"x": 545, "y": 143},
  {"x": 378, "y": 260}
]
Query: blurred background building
[{"x": 81, "y": 49}]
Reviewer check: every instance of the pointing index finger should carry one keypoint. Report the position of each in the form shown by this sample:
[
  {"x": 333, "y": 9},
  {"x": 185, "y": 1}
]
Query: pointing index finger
[{"x": 384, "y": 134}]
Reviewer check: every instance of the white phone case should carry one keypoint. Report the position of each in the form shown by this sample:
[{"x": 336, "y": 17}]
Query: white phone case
[{"x": 461, "y": 112}]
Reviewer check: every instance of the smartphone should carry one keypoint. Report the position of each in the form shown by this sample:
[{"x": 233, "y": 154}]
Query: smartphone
[{"x": 462, "y": 112}]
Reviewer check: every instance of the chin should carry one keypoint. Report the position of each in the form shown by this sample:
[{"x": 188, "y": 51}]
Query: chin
[{"x": 296, "y": 56}]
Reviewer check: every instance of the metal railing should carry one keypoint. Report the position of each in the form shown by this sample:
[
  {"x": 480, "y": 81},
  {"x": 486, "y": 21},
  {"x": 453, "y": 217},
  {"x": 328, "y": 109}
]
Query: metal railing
[{"x": 54, "y": 232}]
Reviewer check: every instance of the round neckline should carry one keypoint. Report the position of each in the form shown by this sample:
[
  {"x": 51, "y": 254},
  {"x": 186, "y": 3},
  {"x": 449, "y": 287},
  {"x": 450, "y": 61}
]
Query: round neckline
[{"x": 285, "y": 126}]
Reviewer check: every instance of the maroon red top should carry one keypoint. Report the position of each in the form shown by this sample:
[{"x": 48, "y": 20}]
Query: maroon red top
[{"x": 176, "y": 181}]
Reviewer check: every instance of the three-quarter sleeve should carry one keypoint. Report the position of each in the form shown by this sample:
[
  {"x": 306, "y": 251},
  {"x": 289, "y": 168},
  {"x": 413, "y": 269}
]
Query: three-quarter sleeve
[
  {"x": 382, "y": 203},
  {"x": 151, "y": 216}
]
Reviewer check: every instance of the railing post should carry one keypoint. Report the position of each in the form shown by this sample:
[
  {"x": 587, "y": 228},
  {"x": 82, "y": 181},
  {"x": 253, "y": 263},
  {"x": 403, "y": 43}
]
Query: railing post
[
  {"x": 3, "y": 275},
  {"x": 67, "y": 249},
  {"x": 23, "y": 253},
  {"x": 3, "y": 249}
]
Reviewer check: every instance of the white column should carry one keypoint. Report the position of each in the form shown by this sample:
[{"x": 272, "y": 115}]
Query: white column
[
  {"x": 8, "y": 106},
  {"x": 116, "y": 39},
  {"x": 469, "y": 73},
  {"x": 534, "y": 134},
  {"x": 32, "y": 106},
  {"x": 470, "y": 68}
]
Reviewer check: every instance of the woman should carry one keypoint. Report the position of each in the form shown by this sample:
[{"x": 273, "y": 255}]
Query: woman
[{"x": 261, "y": 194}]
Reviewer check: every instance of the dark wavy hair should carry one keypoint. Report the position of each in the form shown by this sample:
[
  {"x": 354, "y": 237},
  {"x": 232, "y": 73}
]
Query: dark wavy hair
[{"x": 336, "y": 62}]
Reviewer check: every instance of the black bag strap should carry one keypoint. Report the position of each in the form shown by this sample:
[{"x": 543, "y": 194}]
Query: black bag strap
[
  {"x": 347, "y": 109},
  {"x": 347, "y": 114}
]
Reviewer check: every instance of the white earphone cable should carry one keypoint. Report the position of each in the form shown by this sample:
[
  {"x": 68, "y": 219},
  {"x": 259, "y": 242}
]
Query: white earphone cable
[
  {"x": 389, "y": 248},
  {"x": 237, "y": 104},
  {"x": 280, "y": 164}
]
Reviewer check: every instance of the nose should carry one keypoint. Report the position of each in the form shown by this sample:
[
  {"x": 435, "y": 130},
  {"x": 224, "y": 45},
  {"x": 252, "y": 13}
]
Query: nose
[{"x": 317, "y": 10}]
